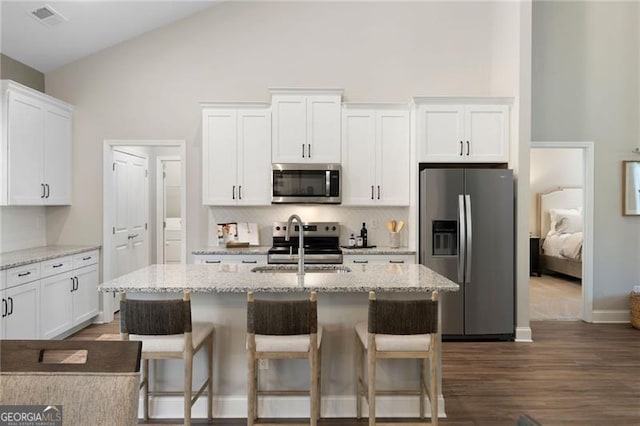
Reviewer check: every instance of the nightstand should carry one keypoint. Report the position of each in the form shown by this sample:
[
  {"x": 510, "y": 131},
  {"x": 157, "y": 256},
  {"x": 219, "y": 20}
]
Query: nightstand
[{"x": 534, "y": 256}]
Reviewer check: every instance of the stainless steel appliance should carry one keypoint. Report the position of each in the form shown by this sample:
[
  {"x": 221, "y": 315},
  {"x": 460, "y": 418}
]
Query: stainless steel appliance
[
  {"x": 305, "y": 183},
  {"x": 467, "y": 234},
  {"x": 321, "y": 243}
]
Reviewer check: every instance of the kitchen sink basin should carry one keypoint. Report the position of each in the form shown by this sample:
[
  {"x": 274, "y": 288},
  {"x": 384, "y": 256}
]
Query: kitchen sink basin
[{"x": 292, "y": 269}]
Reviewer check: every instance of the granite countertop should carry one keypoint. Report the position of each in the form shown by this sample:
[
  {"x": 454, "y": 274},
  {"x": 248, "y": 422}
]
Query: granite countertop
[
  {"x": 11, "y": 259},
  {"x": 379, "y": 250},
  {"x": 235, "y": 250},
  {"x": 238, "y": 278}
]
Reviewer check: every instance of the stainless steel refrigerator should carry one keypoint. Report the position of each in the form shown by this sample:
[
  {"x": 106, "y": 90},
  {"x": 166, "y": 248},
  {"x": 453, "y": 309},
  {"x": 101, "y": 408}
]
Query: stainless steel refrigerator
[{"x": 467, "y": 234}]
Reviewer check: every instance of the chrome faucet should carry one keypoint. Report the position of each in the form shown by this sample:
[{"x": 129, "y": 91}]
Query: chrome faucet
[{"x": 300, "y": 240}]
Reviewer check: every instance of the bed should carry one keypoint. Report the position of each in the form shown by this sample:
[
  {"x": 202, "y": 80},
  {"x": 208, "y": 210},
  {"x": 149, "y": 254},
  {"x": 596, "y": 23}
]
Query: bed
[{"x": 561, "y": 237}]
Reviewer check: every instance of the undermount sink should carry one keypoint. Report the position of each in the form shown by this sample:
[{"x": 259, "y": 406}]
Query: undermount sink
[{"x": 292, "y": 269}]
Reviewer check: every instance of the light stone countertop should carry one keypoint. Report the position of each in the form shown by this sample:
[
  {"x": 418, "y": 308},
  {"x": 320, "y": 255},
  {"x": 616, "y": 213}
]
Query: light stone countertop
[
  {"x": 11, "y": 259},
  {"x": 380, "y": 250},
  {"x": 238, "y": 278}
]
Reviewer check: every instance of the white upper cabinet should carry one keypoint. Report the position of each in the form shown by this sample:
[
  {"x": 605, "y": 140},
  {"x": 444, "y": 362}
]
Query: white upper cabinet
[
  {"x": 306, "y": 125},
  {"x": 236, "y": 146},
  {"x": 375, "y": 155},
  {"x": 452, "y": 131},
  {"x": 35, "y": 159}
]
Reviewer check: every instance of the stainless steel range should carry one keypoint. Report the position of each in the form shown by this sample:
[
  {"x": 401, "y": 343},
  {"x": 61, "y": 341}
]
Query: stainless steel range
[{"x": 321, "y": 243}]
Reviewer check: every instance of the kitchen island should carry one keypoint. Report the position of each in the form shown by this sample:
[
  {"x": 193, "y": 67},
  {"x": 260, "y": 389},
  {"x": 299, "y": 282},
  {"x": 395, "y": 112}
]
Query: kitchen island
[{"x": 219, "y": 296}]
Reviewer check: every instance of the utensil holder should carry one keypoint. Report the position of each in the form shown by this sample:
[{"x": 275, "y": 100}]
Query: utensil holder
[{"x": 394, "y": 239}]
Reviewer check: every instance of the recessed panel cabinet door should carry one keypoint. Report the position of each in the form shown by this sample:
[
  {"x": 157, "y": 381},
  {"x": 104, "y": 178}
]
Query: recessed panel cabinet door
[
  {"x": 26, "y": 156},
  {"x": 442, "y": 133},
  {"x": 57, "y": 154},
  {"x": 358, "y": 157},
  {"x": 55, "y": 302},
  {"x": 220, "y": 157},
  {"x": 323, "y": 129},
  {"x": 85, "y": 297},
  {"x": 289, "y": 129},
  {"x": 392, "y": 165},
  {"x": 254, "y": 149},
  {"x": 22, "y": 317},
  {"x": 487, "y": 130}
]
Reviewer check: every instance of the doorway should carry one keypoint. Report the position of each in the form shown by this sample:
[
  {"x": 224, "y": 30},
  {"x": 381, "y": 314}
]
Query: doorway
[
  {"x": 564, "y": 288},
  {"x": 129, "y": 195},
  {"x": 168, "y": 209}
]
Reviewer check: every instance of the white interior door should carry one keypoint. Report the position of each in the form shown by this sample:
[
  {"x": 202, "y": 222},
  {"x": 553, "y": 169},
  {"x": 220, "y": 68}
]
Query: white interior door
[
  {"x": 129, "y": 245},
  {"x": 172, "y": 214}
]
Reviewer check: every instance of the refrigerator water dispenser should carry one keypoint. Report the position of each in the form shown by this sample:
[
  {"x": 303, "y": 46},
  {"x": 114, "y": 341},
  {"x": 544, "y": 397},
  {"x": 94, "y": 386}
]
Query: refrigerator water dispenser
[{"x": 445, "y": 237}]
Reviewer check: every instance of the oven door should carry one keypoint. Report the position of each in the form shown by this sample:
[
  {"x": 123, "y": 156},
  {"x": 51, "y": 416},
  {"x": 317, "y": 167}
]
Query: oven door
[{"x": 305, "y": 183}]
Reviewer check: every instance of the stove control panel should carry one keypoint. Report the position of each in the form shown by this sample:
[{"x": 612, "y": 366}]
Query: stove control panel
[{"x": 311, "y": 229}]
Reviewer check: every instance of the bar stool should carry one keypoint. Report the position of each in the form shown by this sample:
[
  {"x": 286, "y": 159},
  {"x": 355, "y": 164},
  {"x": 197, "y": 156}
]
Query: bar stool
[
  {"x": 399, "y": 329},
  {"x": 165, "y": 329},
  {"x": 283, "y": 330}
]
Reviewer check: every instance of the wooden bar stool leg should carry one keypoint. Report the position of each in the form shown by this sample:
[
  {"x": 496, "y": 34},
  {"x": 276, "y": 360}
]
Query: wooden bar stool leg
[
  {"x": 145, "y": 392},
  {"x": 313, "y": 381},
  {"x": 423, "y": 385},
  {"x": 359, "y": 377},
  {"x": 251, "y": 389},
  {"x": 371, "y": 369},
  {"x": 319, "y": 384},
  {"x": 433, "y": 389},
  {"x": 188, "y": 367},
  {"x": 210, "y": 374}
]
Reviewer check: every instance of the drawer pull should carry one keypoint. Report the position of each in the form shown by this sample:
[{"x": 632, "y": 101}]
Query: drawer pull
[
  {"x": 57, "y": 266},
  {"x": 11, "y": 308},
  {"x": 249, "y": 261},
  {"x": 24, "y": 274},
  {"x": 396, "y": 261},
  {"x": 86, "y": 258},
  {"x": 211, "y": 261},
  {"x": 360, "y": 261}
]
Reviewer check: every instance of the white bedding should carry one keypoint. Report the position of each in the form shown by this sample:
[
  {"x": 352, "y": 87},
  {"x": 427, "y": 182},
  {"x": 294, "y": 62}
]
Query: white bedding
[{"x": 567, "y": 245}]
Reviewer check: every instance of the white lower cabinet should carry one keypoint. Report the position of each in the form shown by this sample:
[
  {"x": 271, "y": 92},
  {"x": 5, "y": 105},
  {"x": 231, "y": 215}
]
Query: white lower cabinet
[
  {"x": 215, "y": 259},
  {"x": 352, "y": 259},
  {"x": 46, "y": 299},
  {"x": 55, "y": 304},
  {"x": 21, "y": 312}
]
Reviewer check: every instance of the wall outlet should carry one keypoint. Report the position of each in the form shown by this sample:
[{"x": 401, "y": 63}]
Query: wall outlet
[
  {"x": 263, "y": 364},
  {"x": 374, "y": 223}
]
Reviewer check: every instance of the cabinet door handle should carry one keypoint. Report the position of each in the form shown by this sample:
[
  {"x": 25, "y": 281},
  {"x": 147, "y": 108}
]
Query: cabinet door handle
[
  {"x": 24, "y": 274},
  {"x": 302, "y": 150},
  {"x": 372, "y": 192},
  {"x": 44, "y": 190},
  {"x": 57, "y": 266},
  {"x": 249, "y": 261},
  {"x": 378, "y": 192},
  {"x": 211, "y": 261},
  {"x": 48, "y": 191},
  {"x": 461, "y": 147},
  {"x": 360, "y": 261},
  {"x": 233, "y": 193},
  {"x": 396, "y": 261},
  {"x": 4, "y": 307},
  {"x": 77, "y": 283},
  {"x": 240, "y": 192},
  {"x": 309, "y": 145},
  {"x": 467, "y": 147},
  {"x": 11, "y": 308},
  {"x": 73, "y": 285},
  {"x": 86, "y": 258}
]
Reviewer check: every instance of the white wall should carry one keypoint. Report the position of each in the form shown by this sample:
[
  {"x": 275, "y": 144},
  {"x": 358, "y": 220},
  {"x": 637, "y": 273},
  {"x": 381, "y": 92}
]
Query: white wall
[
  {"x": 552, "y": 168},
  {"x": 22, "y": 227},
  {"x": 149, "y": 87},
  {"x": 586, "y": 88}
]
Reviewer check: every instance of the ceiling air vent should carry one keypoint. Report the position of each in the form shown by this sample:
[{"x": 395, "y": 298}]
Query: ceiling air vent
[{"x": 47, "y": 15}]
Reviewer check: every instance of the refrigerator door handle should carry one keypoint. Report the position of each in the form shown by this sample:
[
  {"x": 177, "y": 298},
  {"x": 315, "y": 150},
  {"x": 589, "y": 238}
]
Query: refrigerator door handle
[
  {"x": 461, "y": 238},
  {"x": 469, "y": 234}
]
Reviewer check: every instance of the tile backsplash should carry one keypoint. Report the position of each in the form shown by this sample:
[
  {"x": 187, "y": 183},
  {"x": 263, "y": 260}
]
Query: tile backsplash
[{"x": 350, "y": 219}]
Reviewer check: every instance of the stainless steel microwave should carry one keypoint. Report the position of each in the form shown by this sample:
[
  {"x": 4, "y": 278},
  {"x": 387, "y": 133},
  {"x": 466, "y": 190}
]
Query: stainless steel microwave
[{"x": 305, "y": 183}]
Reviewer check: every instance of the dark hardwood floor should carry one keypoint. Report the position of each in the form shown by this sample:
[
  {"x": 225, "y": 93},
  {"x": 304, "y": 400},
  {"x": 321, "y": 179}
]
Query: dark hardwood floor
[{"x": 573, "y": 374}]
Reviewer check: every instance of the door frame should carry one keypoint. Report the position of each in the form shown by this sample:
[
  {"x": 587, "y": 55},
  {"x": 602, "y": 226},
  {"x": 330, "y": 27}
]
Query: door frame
[
  {"x": 588, "y": 212},
  {"x": 160, "y": 204},
  {"x": 107, "y": 195}
]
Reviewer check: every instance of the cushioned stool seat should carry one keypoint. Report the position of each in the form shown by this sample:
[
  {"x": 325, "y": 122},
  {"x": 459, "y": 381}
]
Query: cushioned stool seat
[
  {"x": 395, "y": 342},
  {"x": 293, "y": 343},
  {"x": 174, "y": 342}
]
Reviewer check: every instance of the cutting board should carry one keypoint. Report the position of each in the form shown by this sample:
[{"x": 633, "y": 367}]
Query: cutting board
[{"x": 248, "y": 232}]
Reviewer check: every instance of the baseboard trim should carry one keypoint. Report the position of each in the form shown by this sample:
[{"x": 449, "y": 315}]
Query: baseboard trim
[
  {"x": 524, "y": 335},
  {"x": 171, "y": 407},
  {"x": 611, "y": 316}
]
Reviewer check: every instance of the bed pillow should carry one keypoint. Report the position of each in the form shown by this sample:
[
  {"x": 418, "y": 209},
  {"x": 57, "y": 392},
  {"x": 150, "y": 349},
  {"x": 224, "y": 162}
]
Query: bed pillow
[{"x": 566, "y": 221}]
